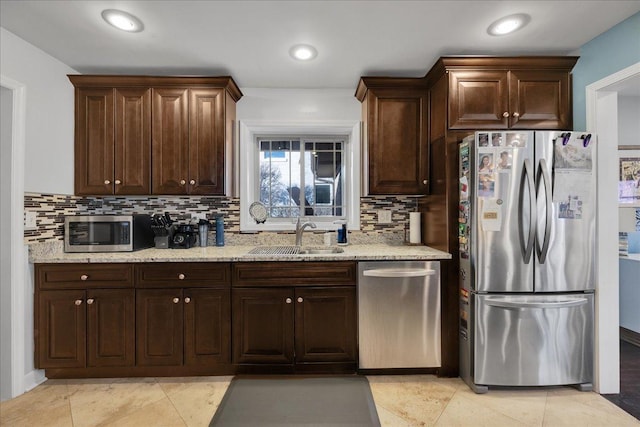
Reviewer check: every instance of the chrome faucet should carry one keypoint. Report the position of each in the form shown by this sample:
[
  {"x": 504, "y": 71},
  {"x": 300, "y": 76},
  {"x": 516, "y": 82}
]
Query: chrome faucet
[{"x": 300, "y": 228}]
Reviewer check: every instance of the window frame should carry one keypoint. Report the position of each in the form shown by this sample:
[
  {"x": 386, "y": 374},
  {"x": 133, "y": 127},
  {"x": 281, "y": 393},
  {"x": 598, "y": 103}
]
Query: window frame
[{"x": 249, "y": 161}]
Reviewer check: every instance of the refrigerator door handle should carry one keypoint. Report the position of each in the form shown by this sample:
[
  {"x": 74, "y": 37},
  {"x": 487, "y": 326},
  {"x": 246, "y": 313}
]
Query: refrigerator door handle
[
  {"x": 527, "y": 248},
  {"x": 546, "y": 179},
  {"x": 522, "y": 305}
]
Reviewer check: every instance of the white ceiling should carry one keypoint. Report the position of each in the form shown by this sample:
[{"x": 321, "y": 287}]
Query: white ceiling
[{"x": 250, "y": 40}]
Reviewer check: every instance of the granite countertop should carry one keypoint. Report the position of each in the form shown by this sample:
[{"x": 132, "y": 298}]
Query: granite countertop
[{"x": 53, "y": 254}]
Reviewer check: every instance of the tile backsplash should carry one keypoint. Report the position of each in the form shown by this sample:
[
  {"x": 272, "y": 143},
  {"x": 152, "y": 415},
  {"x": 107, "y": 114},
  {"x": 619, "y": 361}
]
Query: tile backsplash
[{"x": 50, "y": 210}]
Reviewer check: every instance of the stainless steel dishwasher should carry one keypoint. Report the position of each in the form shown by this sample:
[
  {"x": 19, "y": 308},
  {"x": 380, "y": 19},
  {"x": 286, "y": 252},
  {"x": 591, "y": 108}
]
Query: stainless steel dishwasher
[{"x": 399, "y": 314}]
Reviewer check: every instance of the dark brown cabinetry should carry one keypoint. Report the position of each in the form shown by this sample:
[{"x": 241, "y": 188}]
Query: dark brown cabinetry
[
  {"x": 285, "y": 322},
  {"x": 80, "y": 324},
  {"x": 154, "y": 135},
  {"x": 183, "y": 314},
  {"x": 395, "y": 116}
]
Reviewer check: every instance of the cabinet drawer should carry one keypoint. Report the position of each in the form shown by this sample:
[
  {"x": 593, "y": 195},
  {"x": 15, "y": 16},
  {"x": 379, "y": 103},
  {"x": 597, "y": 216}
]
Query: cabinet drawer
[
  {"x": 182, "y": 274},
  {"x": 83, "y": 276},
  {"x": 293, "y": 273}
]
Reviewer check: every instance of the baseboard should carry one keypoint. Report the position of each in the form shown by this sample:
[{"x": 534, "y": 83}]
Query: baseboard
[
  {"x": 630, "y": 336},
  {"x": 33, "y": 379}
]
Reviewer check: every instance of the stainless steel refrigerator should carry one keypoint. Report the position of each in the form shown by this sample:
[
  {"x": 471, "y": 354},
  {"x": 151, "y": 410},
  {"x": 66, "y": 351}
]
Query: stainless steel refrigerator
[{"x": 527, "y": 258}]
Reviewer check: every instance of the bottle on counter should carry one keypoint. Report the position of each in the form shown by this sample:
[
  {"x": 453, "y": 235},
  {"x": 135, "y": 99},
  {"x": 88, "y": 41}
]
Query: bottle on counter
[
  {"x": 219, "y": 230},
  {"x": 203, "y": 232},
  {"x": 342, "y": 234}
]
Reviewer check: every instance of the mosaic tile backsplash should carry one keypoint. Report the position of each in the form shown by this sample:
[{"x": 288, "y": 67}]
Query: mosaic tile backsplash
[{"x": 51, "y": 209}]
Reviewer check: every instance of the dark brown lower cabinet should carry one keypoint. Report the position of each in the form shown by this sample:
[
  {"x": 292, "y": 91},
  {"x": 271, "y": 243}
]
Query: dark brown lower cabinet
[
  {"x": 182, "y": 326},
  {"x": 85, "y": 328},
  {"x": 294, "y": 325}
]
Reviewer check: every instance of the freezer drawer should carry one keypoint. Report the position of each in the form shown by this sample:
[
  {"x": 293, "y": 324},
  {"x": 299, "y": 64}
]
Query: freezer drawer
[{"x": 530, "y": 340}]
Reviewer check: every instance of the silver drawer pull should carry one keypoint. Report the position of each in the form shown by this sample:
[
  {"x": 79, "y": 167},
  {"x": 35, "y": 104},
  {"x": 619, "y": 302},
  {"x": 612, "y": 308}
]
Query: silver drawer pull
[
  {"x": 181, "y": 276},
  {"x": 399, "y": 272},
  {"x": 84, "y": 277}
]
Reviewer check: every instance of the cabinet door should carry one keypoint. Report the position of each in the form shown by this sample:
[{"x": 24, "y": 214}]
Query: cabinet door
[
  {"x": 207, "y": 326},
  {"x": 478, "y": 100},
  {"x": 94, "y": 154},
  {"x": 159, "y": 327},
  {"x": 325, "y": 324},
  {"x": 206, "y": 141},
  {"x": 170, "y": 141},
  {"x": 132, "y": 141},
  {"x": 397, "y": 148},
  {"x": 110, "y": 327},
  {"x": 540, "y": 100},
  {"x": 61, "y": 329},
  {"x": 263, "y": 325}
]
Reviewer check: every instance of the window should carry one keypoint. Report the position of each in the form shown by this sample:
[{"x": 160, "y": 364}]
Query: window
[
  {"x": 299, "y": 171},
  {"x": 301, "y": 176}
]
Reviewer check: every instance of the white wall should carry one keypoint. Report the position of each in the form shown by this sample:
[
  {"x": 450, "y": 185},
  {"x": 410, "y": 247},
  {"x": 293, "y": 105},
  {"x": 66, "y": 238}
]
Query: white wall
[
  {"x": 298, "y": 104},
  {"x": 628, "y": 120},
  {"x": 6, "y": 110},
  {"x": 49, "y": 132},
  {"x": 630, "y": 294}
]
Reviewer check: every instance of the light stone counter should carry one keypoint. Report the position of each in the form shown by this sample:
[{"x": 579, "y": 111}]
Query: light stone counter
[{"x": 52, "y": 253}]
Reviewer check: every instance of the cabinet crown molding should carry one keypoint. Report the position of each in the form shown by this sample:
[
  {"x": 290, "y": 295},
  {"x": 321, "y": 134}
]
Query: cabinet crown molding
[{"x": 113, "y": 80}]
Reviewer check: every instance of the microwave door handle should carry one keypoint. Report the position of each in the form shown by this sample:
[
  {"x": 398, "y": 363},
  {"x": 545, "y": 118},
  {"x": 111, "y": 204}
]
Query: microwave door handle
[
  {"x": 523, "y": 305},
  {"x": 546, "y": 179},
  {"x": 527, "y": 176}
]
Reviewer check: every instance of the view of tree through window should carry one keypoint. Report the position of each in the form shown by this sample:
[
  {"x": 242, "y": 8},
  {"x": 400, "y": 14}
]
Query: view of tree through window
[{"x": 302, "y": 176}]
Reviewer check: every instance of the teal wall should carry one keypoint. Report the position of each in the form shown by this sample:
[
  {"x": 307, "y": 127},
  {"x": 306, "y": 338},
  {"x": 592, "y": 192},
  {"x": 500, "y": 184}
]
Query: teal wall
[{"x": 608, "y": 53}]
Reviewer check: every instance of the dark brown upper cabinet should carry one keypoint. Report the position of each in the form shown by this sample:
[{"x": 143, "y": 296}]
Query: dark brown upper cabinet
[
  {"x": 154, "y": 135},
  {"x": 507, "y": 92},
  {"x": 395, "y": 150}
]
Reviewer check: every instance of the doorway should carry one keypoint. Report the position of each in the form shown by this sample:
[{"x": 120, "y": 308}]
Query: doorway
[
  {"x": 6, "y": 118},
  {"x": 13, "y": 260},
  {"x": 603, "y": 119}
]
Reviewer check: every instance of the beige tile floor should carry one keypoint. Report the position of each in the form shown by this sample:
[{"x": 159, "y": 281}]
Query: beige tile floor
[{"x": 416, "y": 400}]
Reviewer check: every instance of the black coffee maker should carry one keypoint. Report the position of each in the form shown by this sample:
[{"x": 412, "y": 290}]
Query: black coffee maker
[{"x": 184, "y": 237}]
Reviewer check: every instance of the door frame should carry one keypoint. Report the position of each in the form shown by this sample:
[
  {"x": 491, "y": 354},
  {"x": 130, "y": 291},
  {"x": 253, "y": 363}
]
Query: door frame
[
  {"x": 602, "y": 118},
  {"x": 18, "y": 261}
]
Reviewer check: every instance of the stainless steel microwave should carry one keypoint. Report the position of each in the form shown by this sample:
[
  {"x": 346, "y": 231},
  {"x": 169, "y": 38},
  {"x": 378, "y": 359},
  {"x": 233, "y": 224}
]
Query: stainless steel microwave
[{"x": 107, "y": 233}]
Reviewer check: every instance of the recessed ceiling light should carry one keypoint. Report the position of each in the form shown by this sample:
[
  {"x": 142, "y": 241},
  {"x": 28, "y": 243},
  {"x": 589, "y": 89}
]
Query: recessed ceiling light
[
  {"x": 303, "y": 52},
  {"x": 122, "y": 20},
  {"x": 508, "y": 24}
]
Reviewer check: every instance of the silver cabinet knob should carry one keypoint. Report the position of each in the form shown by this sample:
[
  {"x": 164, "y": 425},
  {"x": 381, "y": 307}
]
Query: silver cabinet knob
[
  {"x": 181, "y": 276},
  {"x": 192, "y": 182},
  {"x": 78, "y": 302},
  {"x": 516, "y": 114},
  {"x": 300, "y": 299},
  {"x": 90, "y": 301},
  {"x": 117, "y": 182},
  {"x": 505, "y": 114},
  {"x": 424, "y": 181},
  {"x": 176, "y": 300},
  {"x": 84, "y": 277},
  {"x": 288, "y": 300},
  {"x": 107, "y": 182},
  {"x": 187, "y": 300},
  {"x": 183, "y": 182}
]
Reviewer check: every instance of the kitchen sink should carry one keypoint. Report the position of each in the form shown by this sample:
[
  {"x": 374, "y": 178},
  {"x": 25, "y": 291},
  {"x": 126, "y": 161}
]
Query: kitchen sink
[
  {"x": 294, "y": 250},
  {"x": 320, "y": 251}
]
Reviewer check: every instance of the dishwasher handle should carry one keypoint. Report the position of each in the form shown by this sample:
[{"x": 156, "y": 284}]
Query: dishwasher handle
[{"x": 399, "y": 272}]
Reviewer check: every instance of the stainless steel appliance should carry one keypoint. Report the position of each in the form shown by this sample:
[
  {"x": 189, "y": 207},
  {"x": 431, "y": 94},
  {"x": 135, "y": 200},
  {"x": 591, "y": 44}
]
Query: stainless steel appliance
[
  {"x": 399, "y": 314},
  {"x": 527, "y": 258},
  {"x": 107, "y": 233}
]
